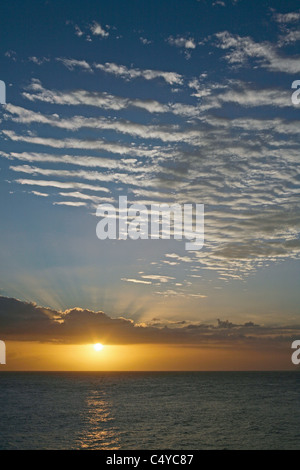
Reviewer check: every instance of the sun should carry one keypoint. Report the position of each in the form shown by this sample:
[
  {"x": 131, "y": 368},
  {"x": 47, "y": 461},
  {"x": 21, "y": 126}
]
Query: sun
[{"x": 98, "y": 347}]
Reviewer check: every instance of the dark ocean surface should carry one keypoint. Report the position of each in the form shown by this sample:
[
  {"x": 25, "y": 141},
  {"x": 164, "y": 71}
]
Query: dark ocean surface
[{"x": 165, "y": 410}]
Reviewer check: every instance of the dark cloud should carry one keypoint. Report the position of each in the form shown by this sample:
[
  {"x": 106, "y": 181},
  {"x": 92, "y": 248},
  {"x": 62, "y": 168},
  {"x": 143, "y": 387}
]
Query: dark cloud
[{"x": 25, "y": 321}]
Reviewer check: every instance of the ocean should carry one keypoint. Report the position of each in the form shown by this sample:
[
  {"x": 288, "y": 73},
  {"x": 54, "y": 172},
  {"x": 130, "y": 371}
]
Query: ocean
[{"x": 150, "y": 410}]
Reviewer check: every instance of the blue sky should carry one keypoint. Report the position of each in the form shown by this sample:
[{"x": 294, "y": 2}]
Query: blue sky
[{"x": 163, "y": 102}]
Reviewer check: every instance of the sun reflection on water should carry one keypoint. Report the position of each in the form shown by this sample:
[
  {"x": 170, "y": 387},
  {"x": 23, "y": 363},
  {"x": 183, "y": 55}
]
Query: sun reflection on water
[{"x": 99, "y": 431}]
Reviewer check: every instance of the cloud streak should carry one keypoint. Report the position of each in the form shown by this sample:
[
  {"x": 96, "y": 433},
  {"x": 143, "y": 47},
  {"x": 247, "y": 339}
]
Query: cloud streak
[
  {"x": 122, "y": 71},
  {"x": 265, "y": 54},
  {"x": 36, "y": 92}
]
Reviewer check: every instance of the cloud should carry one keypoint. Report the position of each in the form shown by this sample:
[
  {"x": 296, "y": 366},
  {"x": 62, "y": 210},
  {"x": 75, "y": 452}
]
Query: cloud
[
  {"x": 36, "y": 92},
  {"x": 135, "y": 281},
  {"x": 11, "y": 55},
  {"x": 289, "y": 38},
  {"x": 93, "y": 29},
  {"x": 177, "y": 257},
  {"x": 126, "y": 73},
  {"x": 179, "y": 41},
  {"x": 172, "y": 78},
  {"x": 72, "y": 64},
  {"x": 265, "y": 54},
  {"x": 164, "y": 133},
  {"x": 60, "y": 184},
  {"x": 87, "y": 197},
  {"x": 76, "y": 160},
  {"x": 92, "y": 144},
  {"x": 25, "y": 321},
  {"x": 78, "y": 31},
  {"x": 285, "y": 18},
  {"x": 98, "y": 30},
  {"x": 81, "y": 174},
  {"x": 187, "y": 44},
  {"x": 219, "y": 3},
  {"x": 38, "y": 61},
  {"x": 145, "y": 41},
  {"x": 37, "y": 193},
  {"x": 179, "y": 293},
  {"x": 247, "y": 96},
  {"x": 70, "y": 203},
  {"x": 159, "y": 278}
]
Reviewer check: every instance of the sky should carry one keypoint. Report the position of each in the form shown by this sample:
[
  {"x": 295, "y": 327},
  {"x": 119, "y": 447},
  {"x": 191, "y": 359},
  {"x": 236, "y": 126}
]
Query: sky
[{"x": 162, "y": 102}]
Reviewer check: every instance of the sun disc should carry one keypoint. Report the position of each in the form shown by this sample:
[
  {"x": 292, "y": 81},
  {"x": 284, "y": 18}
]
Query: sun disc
[{"x": 98, "y": 347}]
